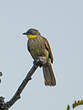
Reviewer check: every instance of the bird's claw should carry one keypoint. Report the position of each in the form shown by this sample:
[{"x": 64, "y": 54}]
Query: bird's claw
[{"x": 38, "y": 62}]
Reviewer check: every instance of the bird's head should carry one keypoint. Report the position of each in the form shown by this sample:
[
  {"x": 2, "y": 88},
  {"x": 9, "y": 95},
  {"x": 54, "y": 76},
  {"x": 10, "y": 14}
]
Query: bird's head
[{"x": 32, "y": 33}]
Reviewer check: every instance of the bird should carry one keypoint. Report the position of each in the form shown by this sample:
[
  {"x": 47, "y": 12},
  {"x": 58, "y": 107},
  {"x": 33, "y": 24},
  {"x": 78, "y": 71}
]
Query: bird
[{"x": 38, "y": 46}]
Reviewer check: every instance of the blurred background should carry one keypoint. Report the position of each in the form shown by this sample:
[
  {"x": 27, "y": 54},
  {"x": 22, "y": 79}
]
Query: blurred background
[{"x": 61, "y": 22}]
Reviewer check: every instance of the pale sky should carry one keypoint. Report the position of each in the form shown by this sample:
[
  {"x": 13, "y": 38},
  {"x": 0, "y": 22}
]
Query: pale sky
[{"x": 61, "y": 22}]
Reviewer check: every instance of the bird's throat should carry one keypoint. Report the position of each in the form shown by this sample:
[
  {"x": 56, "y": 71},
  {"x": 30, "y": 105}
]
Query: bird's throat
[{"x": 32, "y": 36}]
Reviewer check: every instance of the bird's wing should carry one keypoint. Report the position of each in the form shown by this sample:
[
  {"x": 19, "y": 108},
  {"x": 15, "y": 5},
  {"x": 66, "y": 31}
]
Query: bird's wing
[{"x": 47, "y": 46}]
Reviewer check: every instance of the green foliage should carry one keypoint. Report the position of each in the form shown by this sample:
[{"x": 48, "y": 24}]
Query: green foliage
[
  {"x": 75, "y": 104},
  {"x": 2, "y": 104},
  {"x": 68, "y": 107}
]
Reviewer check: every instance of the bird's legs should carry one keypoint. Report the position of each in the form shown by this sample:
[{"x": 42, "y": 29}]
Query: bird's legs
[{"x": 40, "y": 61}]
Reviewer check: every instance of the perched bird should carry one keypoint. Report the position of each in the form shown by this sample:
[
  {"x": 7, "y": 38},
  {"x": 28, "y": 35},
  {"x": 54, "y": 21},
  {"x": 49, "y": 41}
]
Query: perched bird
[{"x": 38, "y": 46}]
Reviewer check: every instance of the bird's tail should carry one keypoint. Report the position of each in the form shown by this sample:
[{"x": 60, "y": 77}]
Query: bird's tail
[{"x": 49, "y": 75}]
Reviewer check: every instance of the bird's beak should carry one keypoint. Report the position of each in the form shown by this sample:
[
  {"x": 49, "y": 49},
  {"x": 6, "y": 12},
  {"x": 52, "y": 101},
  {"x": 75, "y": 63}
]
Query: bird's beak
[{"x": 24, "y": 33}]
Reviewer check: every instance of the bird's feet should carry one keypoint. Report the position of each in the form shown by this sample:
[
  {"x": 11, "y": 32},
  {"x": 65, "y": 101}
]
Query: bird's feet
[
  {"x": 37, "y": 62},
  {"x": 40, "y": 61}
]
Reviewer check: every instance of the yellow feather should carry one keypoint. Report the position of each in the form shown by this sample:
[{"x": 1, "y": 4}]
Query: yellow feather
[{"x": 32, "y": 36}]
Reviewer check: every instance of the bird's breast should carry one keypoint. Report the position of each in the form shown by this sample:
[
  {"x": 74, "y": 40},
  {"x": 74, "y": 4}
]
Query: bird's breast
[{"x": 37, "y": 47}]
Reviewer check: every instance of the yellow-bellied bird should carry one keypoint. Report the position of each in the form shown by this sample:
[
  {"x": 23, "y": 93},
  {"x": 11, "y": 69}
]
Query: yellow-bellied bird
[{"x": 38, "y": 46}]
